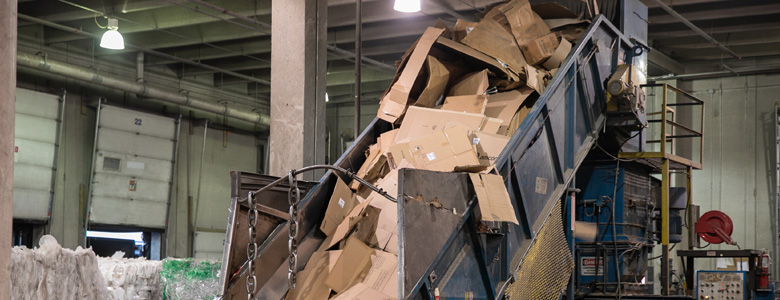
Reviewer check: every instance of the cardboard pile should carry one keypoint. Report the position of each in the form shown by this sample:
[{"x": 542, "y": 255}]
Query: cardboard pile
[{"x": 457, "y": 97}]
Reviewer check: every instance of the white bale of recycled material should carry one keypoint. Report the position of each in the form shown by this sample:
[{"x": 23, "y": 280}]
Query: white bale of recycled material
[
  {"x": 131, "y": 278},
  {"x": 50, "y": 272}
]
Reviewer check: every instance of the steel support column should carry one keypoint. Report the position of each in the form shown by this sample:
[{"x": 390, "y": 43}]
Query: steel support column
[
  {"x": 7, "y": 105},
  {"x": 665, "y": 227},
  {"x": 298, "y": 70}
]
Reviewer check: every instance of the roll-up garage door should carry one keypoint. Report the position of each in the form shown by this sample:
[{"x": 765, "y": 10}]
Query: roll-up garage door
[
  {"x": 132, "y": 164},
  {"x": 36, "y": 131}
]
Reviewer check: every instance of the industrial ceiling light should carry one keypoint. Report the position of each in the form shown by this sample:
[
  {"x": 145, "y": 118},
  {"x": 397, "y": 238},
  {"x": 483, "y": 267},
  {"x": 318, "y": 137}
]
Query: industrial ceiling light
[
  {"x": 326, "y": 97},
  {"x": 112, "y": 39},
  {"x": 408, "y": 6}
]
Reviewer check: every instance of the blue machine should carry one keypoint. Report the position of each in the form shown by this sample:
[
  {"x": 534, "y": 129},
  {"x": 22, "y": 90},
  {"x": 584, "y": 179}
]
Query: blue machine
[{"x": 619, "y": 199}]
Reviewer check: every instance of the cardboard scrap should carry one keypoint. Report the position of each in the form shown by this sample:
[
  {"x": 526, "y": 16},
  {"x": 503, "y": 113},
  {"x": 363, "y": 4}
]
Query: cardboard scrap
[
  {"x": 420, "y": 122},
  {"x": 560, "y": 54},
  {"x": 372, "y": 167},
  {"x": 492, "y": 37},
  {"x": 474, "y": 104},
  {"x": 387, "y": 225},
  {"x": 525, "y": 23},
  {"x": 471, "y": 84},
  {"x": 383, "y": 276},
  {"x": 351, "y": 267},
  {"x": 311, "y": 280},
  {"x": 462, "y": 28},
  {"x": 333, "y": 256},
  {"x": 443, "y": 151},
  {"x": 387, "y": 139},
  {"x": 347, "y": 224},
  {"x": 366, "y": 227},
  {"x": 504, "y": 105},
  {"x": 493, "y": 199},
  {"x": 361, "y": 291},
  {"x": 395, "y": 101},
  {"x": 341, "y": 203},
  {"x": 519, "y": 116},
  {"x": 476, "y": 58},
  {"x": 438, "y": 76},
  {"x": 490, "y": 125},
  {"x": 540, "y": 49},
  {"x": 488, "y": 146}
]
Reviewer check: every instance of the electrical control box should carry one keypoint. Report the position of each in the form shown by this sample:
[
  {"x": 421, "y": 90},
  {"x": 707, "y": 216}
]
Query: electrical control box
[{"x": 721, "y": 285}]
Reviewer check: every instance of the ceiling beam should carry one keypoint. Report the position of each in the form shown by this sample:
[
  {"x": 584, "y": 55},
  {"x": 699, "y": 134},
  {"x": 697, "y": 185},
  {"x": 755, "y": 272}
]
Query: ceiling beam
[
  {"x": 741, "y": 39},
  {"x": 678, "y": 3},
  {"x": 695, "y": 28},
  {"x": 162, "y": 19},
  {"x": 249, "y": 66},
  {"x": 712, "y": 53},
  {"x": 62, "y": 12},
  {"x": 681, "y": 31},
  {"x": 731, "y": 9},
  {"x": 371, "y": 32}
]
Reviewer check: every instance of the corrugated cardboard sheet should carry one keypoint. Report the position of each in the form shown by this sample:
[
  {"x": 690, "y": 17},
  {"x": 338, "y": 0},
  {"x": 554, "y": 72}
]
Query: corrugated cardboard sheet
[{"x": 493, "y": 199}]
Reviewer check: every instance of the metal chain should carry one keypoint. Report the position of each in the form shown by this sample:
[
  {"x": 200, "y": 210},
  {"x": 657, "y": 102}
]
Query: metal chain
[
  {"x": 293, "y": 197},
  {"x": 251, "y": 249}
]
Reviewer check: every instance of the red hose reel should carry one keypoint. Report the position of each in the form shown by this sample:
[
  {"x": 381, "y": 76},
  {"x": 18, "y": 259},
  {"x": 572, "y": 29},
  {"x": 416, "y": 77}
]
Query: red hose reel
[{"x": 715, "y": 227}]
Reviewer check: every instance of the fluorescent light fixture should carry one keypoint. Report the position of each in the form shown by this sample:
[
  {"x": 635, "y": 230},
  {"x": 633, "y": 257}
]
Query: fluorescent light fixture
[
  {"x": 326, "y": 97},
  {"x": 112, "y": 39},
  {"x": 408, "y": 6}
]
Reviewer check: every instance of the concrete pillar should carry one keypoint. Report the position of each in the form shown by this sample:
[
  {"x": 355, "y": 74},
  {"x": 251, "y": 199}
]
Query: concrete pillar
[
  {"x": 7, "y": 104},
  {"x": 298, "y": 69}
]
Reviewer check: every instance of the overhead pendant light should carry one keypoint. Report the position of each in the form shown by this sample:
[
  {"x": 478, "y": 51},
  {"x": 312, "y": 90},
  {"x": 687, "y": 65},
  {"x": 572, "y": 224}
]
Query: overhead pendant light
[
  {"x": 112, "y": 39},
  {"x": 408, "y": 6}
]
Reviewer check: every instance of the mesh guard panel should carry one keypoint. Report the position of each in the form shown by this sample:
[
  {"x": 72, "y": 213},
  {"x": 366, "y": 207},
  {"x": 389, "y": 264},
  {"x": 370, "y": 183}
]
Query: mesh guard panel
[{"x": 546, "y": 269}]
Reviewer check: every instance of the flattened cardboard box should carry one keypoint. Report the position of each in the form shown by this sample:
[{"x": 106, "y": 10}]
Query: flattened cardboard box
[
  {"x": 372, "y": 167},
  {"x": 504, "y": 105},
  {"x": 346, "y": 225},
  {"x": 421, "y": 121},
  {"x": 478, "y": 57},
  {"x": 488, "y": 146},
  {"x": 493, "y": 37},
  {"x": 560, "y": 54},
  {"x": 474, "y": 104},
  {"x": 383, "y": 276},
  {"x": 526, "y": 24},
  {"x": 444, "y": 151},
  {"x": 387, "y": 224},
  {"x": 471, "y": 84},
  {"x": 341, "y": 203},
  {"x": 493, "y": 199},
  {"x": 394, "y": 103},
  {"x": 438, "y": 76},
  {"x": 311, "y": 281},
  {"x": 352, "y": 266},
  {"x": 462, "y": 28}
]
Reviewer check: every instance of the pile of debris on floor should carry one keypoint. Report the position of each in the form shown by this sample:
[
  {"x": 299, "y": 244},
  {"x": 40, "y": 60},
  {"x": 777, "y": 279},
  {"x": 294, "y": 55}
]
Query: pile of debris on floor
[{"x": 456, "y": 99}]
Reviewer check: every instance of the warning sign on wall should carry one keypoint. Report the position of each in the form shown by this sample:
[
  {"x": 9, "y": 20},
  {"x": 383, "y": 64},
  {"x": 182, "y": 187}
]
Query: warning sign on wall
[
  {"x": 133, "y": 185},
  {"x": 588, "y": 266}
]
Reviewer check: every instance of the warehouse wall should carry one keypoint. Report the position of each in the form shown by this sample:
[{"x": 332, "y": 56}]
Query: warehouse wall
[
  {"x": 738, "y": 172},
  {"x": 240, "y": 154},
  {"x": 68, "y": 208},
  {"x": 340, "y": 120}
]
